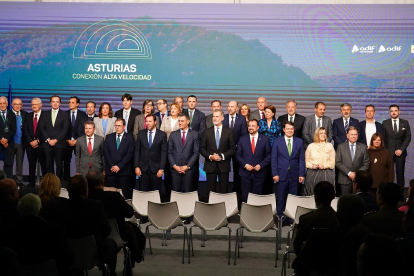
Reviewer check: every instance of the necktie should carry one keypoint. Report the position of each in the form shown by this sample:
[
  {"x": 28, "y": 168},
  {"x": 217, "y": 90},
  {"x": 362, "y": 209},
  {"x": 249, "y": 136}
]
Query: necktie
[
  {"x": 18, "y": 114},
  {"x": 217, "y": 138},
  {"x": 126, "y": 121},
  {"x": 118, "y": 141},
  {"x": 346, "y": 125},
  {"x": 150, "y": 139},
  {"x": 291, "y": 119},
  {"x": 395, "y": 127},
  {"x": 191, "y": 116},
  {"x": 73, "y": 119},
  {"x": 289, "y": 147},
  {"x": 352, "y": 152},
  {"x": 4, "y": 116},
  {"x": 35, "y": 126},
  {"x": 162, "y": 117},
  {"x": 253, "y": 145},
  {"x": 232, "y": 122},
  {"x": 54, "y": 118},
  {"x": 90, "y": 150},
  {"x": 90, "y": 118},
  {"x": 319, "y": 123},
  {"x": 263, "y": 115},
  {"x": 183, "y": 138}
]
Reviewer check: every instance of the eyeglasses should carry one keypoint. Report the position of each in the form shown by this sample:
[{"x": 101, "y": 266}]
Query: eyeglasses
[
  {"x": 119, "y": 125},
  {"x": 160, "y": 103}
]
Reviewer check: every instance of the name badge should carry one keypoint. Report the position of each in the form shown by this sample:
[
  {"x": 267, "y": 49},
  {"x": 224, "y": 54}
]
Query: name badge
[{"x": 6, "y": 129}]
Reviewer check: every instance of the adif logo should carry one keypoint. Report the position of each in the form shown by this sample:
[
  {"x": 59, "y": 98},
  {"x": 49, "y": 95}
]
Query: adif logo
[
  {"x": 367, "y": 49},
  {"x": 356, "y": 49},
  {"x": 389, "y": 49}
]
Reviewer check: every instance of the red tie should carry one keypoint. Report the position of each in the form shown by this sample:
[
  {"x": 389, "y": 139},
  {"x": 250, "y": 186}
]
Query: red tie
[
  {"x": 263, "y": 115},
  {"x": 253, "y": 145},
  {"x": 90, "y": 150},
  {"x": 183, "y": 139},
  {"x": 34, "y": 126},
  {"x": 162, "y": 117}
]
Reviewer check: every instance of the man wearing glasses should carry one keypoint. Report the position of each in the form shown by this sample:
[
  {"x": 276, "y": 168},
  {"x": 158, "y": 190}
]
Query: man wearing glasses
[{"x": 162, "y": 107}]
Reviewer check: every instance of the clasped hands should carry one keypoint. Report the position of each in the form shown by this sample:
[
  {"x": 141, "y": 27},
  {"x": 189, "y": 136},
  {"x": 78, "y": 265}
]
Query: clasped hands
[
  {"x": 180, "y": 169},
  {"x": 315, "y": 167},
  {"x": 4, "y": 142},
  {"x": 215, "y": 157},
  {"x": 139, "y": 173},
  {"x": 251, "y": 168}
]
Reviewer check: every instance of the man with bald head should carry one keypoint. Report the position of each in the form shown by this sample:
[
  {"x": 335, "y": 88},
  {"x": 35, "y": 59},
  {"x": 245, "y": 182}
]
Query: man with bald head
[
  {"x": 18, "y": 151},
  {"x": 9, "y": 197},
  {"x": 258, "y": 114}
]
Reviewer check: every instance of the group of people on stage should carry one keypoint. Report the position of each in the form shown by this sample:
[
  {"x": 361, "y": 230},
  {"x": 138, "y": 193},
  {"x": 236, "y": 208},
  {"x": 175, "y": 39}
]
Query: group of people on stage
[{"x": 167, "y": 143}]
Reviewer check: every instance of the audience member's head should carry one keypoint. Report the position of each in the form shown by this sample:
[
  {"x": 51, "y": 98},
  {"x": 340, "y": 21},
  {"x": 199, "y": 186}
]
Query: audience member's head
[
  {"x": 77, "y": 187},
  {"x": 29, "y": 205},
  {"x": 350, "y": 210},
  {"x": 324, "y": 193},
  {"x": 408, "y": 220},
  {"x": 388, "y": 193},
  {"x": 95, "y": 180},
  {"x": 379, "y": 255},
  {"x": 363, "y": 181},
  {"x": 2, "y": 175},
  {"x": 49, "y": 188},
  {"x": 8, "y": 191}
]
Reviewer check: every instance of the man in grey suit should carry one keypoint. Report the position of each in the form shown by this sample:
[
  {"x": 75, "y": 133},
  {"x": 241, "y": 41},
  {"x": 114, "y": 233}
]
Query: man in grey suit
[
  {"x": 89, "y": 155},
  {"x": 313, "y": 122},
  {"x": 350, "y": 157},
  {"x": 258, "y": 114},
  {"x": 215, "y": 105}
]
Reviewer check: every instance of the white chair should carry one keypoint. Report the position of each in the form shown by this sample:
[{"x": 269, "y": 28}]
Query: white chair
[
  {"x": 334, "y": 203},
  {"x": 293, "y": 202},
  {"x": 140, "y": 201},
  {"x": 64, "y": 193},
  {"x": 186, "y": 202},
  {"x": 229, "y": 199}
]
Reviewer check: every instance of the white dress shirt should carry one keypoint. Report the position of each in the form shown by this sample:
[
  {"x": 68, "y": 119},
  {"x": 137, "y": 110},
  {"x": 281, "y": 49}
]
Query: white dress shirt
[
  {"x": 76, "y": 114},
  {"x": 370, "y": 129},
  {"x": 316, "y": 121},
  {"x": 255, "y": 138},
  {"x": 293, "y": 118},
  {"x": 153, "y": 134},
  {"x": 397, "y": 122},
  {"x": 234, "y": 120},
  {"x": 38, "y": 116},
  {"x": 287, "y": 142}
]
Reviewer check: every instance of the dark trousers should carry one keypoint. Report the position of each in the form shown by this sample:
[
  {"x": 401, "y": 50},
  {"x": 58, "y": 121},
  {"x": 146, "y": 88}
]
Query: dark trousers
[
  {"x": 123, "y": 182},
  {"x": 19, "y": 153},
  {"x": 34, "y": 155},
  {"x": 182, "y": 183},
  {"x": 150, "y": 182},
  {"x": 346, "y": 189},
  {"x": 54, "y": 155},
  {"x": 251, "y": 184},
  {"x": 236, "y": 178},
  {"x": 269, "y": 184},
  {"x": 8, "y": 159},
  {"x": 289, "y": 186},
  {"x": 66, "y": 161},
  {"x": 399, "y": 172},
  {"x": 223, "y": 181},
  {"x": 167, "y": 183}
]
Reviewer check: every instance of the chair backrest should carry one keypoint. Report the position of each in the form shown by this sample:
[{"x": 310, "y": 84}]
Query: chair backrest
[
  {"x": 115, "y": 233},
  {"x": 254, "y": 199},
  {"x": 85, "y": 251},
  {"x": 210, "y": 216},
  {"x": 334, "y": 203},
  {"x": 229, "y": 199},
  {"x": 256, "y": 218},
  {"x": 164, "y": 216},
  {"x": 140, "y": 201},
  {"x": 46, "y": 268},
  {"x": 64, "y": 193},
  {"x": 301, "y": 211},
  {"x": 185, "y": 202},
  {"x": 293, "y": 202}
]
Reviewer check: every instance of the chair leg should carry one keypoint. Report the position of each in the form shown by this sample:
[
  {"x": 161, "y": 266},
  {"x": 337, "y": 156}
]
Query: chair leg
[
  {"x": 241, "y": 238},
  {"x": 127, "y": 259},
  {"x": 188, "y": 247},
  {"x": 229, "y": 244},
  {"x": 149, "y": 238},
  {"x": 191, "y": 241},
  {"x": 169, "y": 234},
  {"x": 276, "y": 256},
  {"x": 236, "y": 246},
  {"x": 185, "y": 236}
]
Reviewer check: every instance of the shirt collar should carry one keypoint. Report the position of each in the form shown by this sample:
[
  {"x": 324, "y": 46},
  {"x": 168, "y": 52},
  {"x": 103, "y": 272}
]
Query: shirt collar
[
  {"x": 316, "y": 118},
  {"x": 153, "y": 131},
  {"x": 127, "y": 110},
  {"x": 87, "y": 138},
  {"x": 38, "y": 113},
  {"x": 15, "y": 112},
  {"x": 255, "y": 136}
]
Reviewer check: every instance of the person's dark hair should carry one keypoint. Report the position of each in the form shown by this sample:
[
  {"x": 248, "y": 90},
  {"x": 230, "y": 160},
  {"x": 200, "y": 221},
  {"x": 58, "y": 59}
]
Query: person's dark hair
[
  {"x": 271, "y": 108},
  {"x": 215, "y": 101},
  {"x": 120, "y": 119},
  {"x": 77, "y": 186},
  {"x": 394, "y": 105},
  {"x": 389, "y": 193},
  {"x": 92, "y": 102},
  {"x": 324, "y": 192},
  {"x": 350, "y": 210},
  {"x": 288, "y": 123},
  {"x": 254, "y": 120},
  {"x": 89, "y": 123},
  {"x": 164, "y": 101},
  {"x": 191, "y": 96},
  {"x": 411, "y": 195},
  {"x": 128, "y": 97},
  {"x": 95, "y": 179},
  {"x": 76, "y": 98},
  {"x": 145, "y": 103},
  {"x": 55, "y": 96},
  {"x": 184, "y": 115},
  {"x": 364, "y": 180},
  {"x": 374, "y": 137},
  {"x": 110, "y": 113},
  {"x": 369, "y": 105},
  {"x": 2, "y": 175},
  {"x": 154, "y": 117},
  {"x": 318, "y": 103}
]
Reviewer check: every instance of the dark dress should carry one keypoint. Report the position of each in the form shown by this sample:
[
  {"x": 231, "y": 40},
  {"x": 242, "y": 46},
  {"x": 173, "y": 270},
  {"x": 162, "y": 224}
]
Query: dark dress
[
  {"x": 381, "y": 166},
  {"x": 273, "y": 132}
]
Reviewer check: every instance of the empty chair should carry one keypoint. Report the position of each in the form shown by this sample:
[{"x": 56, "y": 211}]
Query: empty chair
[
  {"x": 64, "y": 193},
  {"x": 256, "y": 219},
  {"x": 46, "y": 268},
  {"x": 120, "y": 244},
  {"x": 165, "y": 216},
  {"x": 140, "y": 201},
  {"x": 210, "y": 217},
  {"x": 334, "y": 203},
  {"x": 185, "y": 202},
  {"x": 229, "y": 199},
  {"x": 293, "y": 202}
]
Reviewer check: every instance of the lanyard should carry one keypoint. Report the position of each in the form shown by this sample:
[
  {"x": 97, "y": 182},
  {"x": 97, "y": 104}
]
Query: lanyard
[{"x": 4, "y": 120}]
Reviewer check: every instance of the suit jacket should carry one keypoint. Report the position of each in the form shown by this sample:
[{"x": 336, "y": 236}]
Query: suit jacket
[
  {"x": 261, "y": 156},
  {"x": 309, "y": 128},
  {"x": 158, "y": 114},
  {"x": 339, "y": 134},
  {"x": 93, "y": 117},
  {"x": 154, "y": 158},
  {"x": 123, "y": 157},
  {"x": 139, "y": 125},
  {"x": 83, "y": 158},
  {"x": 401, "y": 140},
  {"x": 344, "y": 163},
  {"x": 240, "y": 126},
  {"x": 370, "y": 202},
  {"x": 209, "y": 121},
  {"x": 281, "y": 162},
  {"x": 386, "y": 221},
  {"x": 186, "y": 155},
  {"x": 255, "y": 115},
  {"x": 79, "y": 128},
  {"x": 58, "y": 131},
  {"x": 208, "y": 147},
  {"x": 199, "y": 121},
  {"x": 110, "y": 127},
  {"x": 11, "y": 124},
  {"x": 131, "y": 118},
  {"x": 362, "y": 137},
  {"x": 166, "y": 126},
  {"x": 298, "y": 122},
  {"x": 28, "y": 131}
]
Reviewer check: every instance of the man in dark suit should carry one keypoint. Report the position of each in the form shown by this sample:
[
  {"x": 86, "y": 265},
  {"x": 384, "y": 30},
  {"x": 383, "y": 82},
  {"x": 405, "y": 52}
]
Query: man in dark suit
[
  {"x": 7, "y": 132},
  {"x": 128, "y": 113},
  {"x": 253, "y": 157},
  {"x": 368, "y": 126},
  {"x": 150, "y": 155},
  {"x": 397, "y": 137},
  {"x": 18, "y": 151},
  {"x": 288, "y": 165},
  {"x": 215, "y": 105},
  {"x": 119, "y": 156},
  {"x": 183, "y": 154},
  {"x": 54, "y": 128},
  {"x": 341, "y": 125},
  {"x": 89, "y": 155},
  {"x": 34, "y": 141},
  {"x": 291, "y": 116},
  {"x": 76, "y": 129},
  {"x": 163, "y": 112},
  {"x": 90, "y": 110},
  {"x": 350, "y": 157},
  {"x": 362, "y": 184},
  {"x": 217, "y": 147},
  {"x": 315, "y": 121}
]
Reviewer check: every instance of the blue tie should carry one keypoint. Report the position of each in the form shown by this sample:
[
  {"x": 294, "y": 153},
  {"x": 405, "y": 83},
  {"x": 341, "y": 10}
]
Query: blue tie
[
  {"x": 352, "y": 152},
  {"x": 150, "y": 139},
  {"x": 217, "y": 138},
  {"x": 346, "y": 126},
  {"x": 73, "y": 119},
  {"x": 118, "y": 141}
]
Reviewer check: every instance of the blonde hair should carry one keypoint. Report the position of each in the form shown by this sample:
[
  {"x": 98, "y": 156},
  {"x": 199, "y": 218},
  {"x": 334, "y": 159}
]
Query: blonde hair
[
  {"x": 177, "y": 106},
  {"x": 316, "y": 135},
  {"x": 49, "y": 188}
]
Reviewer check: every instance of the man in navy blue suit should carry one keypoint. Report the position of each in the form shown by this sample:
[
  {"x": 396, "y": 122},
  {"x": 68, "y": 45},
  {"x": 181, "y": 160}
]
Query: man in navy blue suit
[
  {"x": 253, "y": 157},
  {"x": 288, "y": 165},
  {"x": 340, "y": 125},
  {"x": 162, "y": 107},
  {"x": 368, "y": 126},
  {"x": 119, "y": 159}
]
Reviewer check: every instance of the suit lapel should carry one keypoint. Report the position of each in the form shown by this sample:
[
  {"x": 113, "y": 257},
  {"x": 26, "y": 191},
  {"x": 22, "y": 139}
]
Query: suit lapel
[{"x": 186, "y": 138}]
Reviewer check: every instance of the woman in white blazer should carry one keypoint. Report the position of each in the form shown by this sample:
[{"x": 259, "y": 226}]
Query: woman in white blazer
[
  {"x": 170, "y": 123},
  {"x": 105, "y": 122}
]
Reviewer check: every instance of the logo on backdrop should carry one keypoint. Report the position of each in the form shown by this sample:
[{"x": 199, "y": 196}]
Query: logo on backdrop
[
  {"x": 366, "y": 50},
  {"x": 373, "y": 49},
  {"x": 389, "y": 49}
]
